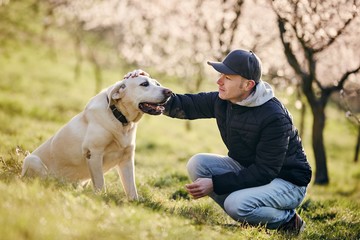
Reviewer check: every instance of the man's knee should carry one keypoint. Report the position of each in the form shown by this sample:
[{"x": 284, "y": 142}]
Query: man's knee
[
  {"x": 195, "y": 166},
  {"x": 193, "y": 162}
]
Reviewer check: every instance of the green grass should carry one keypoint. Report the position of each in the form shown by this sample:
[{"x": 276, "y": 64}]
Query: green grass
[{"x": 38, "y": 94}]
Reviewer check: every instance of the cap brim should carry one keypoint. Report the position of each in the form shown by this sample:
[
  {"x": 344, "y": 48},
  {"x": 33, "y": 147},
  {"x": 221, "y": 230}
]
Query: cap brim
[{"x": 221, "y": 68}]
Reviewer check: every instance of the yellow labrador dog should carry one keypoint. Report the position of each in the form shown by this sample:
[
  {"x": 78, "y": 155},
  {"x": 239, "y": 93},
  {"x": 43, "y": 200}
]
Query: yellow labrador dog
[{"x": 102, "y": 136}]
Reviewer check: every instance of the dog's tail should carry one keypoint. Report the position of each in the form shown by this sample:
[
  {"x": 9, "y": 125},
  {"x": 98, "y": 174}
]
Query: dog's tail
[{"x": 33, "y": 166}]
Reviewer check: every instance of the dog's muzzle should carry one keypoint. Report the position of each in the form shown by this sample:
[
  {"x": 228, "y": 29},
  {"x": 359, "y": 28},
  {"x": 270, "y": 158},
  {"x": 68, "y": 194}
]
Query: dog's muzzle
[{"x": 156, "y": 108}]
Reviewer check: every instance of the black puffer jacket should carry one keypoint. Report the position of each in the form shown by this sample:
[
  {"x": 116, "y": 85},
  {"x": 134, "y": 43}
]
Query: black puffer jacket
[{"x": 263, "y": 139}]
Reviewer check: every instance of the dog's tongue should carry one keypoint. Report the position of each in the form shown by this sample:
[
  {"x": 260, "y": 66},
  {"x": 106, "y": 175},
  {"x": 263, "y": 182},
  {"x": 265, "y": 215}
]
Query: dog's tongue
[{"x": 157, "y": 108}]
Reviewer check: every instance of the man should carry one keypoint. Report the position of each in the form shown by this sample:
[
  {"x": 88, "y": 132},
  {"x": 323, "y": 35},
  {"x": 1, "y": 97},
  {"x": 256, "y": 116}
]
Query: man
[{"x": 265, "y": 174}]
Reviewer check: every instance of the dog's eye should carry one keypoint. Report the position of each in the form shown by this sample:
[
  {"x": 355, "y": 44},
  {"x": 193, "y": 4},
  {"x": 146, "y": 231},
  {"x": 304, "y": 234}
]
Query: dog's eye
[{"x": 145, "y": 84}]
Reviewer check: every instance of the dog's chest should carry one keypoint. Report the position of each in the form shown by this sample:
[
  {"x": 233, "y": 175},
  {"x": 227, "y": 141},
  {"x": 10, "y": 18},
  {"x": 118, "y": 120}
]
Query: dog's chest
[
  {"x": 125, "y": 138},
  {"x": 121, "y": 144},
  {"x": 120, "y": 148},
  {"x": 114, "y": 154}
]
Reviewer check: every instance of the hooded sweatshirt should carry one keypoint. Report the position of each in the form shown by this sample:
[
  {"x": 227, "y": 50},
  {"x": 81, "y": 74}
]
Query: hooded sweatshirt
[{"x": 261, "y": 95}]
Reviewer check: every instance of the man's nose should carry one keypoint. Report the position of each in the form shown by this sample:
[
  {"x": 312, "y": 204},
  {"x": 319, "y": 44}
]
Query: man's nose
[{"x": 220, "y": 81}]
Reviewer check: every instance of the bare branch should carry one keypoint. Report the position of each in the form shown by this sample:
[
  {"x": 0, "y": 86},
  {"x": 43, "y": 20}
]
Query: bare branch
[
  {"x": 235, "y": 22},
  {"x": 339, "y": 32},
  {"x": 293, "y": 61},
  {"x": 308, "y": 51},
  {"x": 288, "y": 51},
  {"x": 233, "y": 26},
  {"x": 222, "y": 29},
  {"x": 342, "y": 80},
  {"x": 349, "y": 112}
]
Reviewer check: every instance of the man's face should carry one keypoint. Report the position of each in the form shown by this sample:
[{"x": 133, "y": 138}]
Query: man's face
[{"x": 234, "y": 88}]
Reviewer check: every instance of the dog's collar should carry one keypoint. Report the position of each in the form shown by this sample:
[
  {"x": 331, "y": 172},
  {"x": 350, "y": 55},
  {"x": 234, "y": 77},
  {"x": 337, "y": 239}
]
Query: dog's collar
[{"x": 117, "y": 114}]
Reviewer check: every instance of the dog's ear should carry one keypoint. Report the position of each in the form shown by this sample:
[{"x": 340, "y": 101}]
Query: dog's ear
[{"x": 117, "y": 92}]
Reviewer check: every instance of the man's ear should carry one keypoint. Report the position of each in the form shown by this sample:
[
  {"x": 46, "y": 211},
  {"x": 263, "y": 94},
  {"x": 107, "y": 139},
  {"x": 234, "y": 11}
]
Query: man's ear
[
  {"x": 250, "y": 84},
  {"x": 117, "y": 92}
]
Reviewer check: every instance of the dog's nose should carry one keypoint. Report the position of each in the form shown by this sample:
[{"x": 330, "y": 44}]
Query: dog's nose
[{"x": 167, "y": 92}]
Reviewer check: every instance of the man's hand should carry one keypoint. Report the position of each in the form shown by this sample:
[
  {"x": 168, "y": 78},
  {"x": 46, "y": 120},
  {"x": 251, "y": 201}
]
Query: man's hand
[
  {"x": 136, "y": 73},
  {"x": 201, "y": 187}
]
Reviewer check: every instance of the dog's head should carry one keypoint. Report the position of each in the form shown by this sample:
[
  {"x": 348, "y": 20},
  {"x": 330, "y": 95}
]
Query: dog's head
[{"x": 142, "y": 92}]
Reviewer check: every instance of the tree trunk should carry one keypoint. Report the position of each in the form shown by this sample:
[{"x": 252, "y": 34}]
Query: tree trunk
[
  {"x": 357, "y": 147},
  {"x": 321, "y": 173},
  {"x": 300, "y": 98},
  {"x": 302, "y": 120}
]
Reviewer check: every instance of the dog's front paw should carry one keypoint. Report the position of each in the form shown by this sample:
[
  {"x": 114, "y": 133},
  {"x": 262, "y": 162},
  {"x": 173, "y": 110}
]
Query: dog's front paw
[
  {"x": 100, "y": 191},
  {"x": 133, "y": 198}
]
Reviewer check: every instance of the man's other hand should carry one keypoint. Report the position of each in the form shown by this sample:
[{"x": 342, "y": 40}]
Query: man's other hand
[{"x": 201, "y": 187}]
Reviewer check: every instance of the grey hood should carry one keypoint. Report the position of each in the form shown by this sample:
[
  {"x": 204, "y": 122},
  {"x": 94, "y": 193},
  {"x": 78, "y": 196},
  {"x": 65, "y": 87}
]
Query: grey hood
[{"x": 261, "y": 95}]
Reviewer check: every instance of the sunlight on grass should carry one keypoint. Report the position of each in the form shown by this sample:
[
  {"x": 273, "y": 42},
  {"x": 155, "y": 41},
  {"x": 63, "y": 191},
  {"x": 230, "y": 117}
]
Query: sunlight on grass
[{"x": 80, "y": 215}]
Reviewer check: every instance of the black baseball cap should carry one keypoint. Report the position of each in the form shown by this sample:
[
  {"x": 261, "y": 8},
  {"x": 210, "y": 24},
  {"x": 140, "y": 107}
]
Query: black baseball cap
[{"x": 240, "y": 62}]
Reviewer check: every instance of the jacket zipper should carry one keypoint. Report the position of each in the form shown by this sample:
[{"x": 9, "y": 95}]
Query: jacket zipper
[{"x": 228, "y": 121}]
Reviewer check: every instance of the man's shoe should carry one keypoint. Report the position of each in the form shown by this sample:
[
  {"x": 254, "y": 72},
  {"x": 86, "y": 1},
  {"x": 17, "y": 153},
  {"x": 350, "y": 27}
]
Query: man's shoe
[{"x": 295, "y": 226}]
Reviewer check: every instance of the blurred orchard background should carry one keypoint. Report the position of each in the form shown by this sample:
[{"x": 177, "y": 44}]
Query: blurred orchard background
[{"x": 56, "y": 54}]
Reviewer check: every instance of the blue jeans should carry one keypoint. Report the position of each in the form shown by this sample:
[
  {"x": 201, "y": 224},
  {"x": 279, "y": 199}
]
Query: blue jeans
[{"x": 272, "y": 204}]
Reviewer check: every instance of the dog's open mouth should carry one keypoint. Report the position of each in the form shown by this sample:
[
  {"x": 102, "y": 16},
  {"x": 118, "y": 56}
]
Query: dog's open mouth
[{"x": 152, "y": 108}]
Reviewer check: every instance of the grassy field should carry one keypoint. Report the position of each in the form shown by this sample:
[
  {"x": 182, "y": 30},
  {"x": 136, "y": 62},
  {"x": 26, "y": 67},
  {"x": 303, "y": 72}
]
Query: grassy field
[{"x": 38, "y": 94}]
